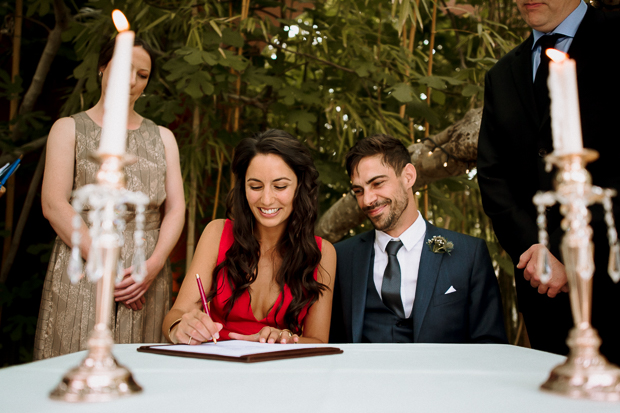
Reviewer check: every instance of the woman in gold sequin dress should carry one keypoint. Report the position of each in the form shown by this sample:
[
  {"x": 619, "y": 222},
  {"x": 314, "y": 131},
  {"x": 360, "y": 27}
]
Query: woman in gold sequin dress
[{"x": 67, "y": 312}]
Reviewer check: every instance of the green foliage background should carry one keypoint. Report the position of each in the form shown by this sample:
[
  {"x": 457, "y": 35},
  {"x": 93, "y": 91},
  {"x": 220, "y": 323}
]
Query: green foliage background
[{"x": 328, "y": 71}]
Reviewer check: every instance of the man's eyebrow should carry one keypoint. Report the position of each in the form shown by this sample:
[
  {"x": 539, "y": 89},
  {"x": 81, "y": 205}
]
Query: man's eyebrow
[
  {"x": 371, "y": 180},
  {"x": 374, "y": 178}
]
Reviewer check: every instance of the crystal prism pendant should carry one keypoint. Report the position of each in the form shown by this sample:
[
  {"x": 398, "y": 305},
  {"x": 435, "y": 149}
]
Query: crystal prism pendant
[
  {"x": 139, "y": 265},
  {"x": 544, "y": 268},
  {"x": 614, "y": 263},
  {"x": 94, "y": 267},
  {"x": 75, "y": 269},
  {"x": 119, "y": 271}
]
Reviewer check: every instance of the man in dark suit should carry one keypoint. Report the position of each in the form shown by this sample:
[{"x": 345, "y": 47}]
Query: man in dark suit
[
  {"x": 515, "y": 136},
  {"x": 408, "y": 281}
]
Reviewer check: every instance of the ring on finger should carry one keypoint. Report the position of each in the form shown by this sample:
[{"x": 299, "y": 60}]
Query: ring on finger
[{"x": 189, "y": 341}]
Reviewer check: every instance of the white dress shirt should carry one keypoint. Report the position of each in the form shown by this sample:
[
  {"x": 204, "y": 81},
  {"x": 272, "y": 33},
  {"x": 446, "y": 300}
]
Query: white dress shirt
[
  {"x": 568, "y": 28},
  {"x": 408, "y": 258}
]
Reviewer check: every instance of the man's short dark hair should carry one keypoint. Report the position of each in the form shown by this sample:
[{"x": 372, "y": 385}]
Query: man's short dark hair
[{"x": 394, "y": 154}]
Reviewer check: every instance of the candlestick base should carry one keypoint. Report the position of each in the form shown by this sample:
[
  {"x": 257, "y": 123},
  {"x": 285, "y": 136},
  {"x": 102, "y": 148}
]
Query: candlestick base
[
  {"x": 585, "y": 374},
  {"x": 99, "y": 377}
]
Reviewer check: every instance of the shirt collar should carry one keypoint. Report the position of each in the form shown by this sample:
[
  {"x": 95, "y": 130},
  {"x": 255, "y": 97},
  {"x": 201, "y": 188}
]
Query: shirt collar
[
  {"x": 568, "y": 27},
  {"x": 410, "y": 237}
]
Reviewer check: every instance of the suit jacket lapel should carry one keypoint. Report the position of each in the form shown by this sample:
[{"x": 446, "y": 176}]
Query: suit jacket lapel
[
  {"x": 361, "y": 264},
  {"x": 430, "y": 264},
  {"x": 522, "y": 76}
]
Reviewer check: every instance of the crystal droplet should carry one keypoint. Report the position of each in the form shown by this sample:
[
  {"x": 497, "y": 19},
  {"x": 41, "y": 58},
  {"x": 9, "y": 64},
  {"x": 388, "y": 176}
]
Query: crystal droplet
[
  {"x": 75, "y": 269},
  {"x": 94, "y": 267},
  {"x": 614, "y": 263},
  {"x": 119, "y": 271},
  {"x": 139, "y": 266},
  {"x": 544, "y": 268}
]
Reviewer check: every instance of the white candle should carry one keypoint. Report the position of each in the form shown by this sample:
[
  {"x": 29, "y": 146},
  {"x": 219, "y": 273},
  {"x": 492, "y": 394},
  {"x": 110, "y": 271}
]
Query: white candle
[
  {"x": 116, "y": 105},
  {"x": 565, "y": 121}
]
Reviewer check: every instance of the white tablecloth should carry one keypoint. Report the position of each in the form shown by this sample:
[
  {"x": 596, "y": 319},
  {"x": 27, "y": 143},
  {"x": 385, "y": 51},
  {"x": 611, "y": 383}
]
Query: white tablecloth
[{"x": 365, "y": 378}]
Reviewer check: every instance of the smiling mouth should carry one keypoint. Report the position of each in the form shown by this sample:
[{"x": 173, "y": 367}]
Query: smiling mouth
[
  {"x": 270, "y": 211},
  {"x": 375, "y": 209}
]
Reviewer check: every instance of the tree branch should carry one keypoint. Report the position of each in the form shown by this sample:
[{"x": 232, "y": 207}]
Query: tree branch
[
  {"x": 23, "y": 150},
  {"x": 54, "y": 41}
]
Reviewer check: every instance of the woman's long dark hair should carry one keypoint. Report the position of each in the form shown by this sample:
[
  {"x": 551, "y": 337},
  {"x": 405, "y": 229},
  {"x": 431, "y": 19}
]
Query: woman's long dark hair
[{"x": 297, "y": 247}]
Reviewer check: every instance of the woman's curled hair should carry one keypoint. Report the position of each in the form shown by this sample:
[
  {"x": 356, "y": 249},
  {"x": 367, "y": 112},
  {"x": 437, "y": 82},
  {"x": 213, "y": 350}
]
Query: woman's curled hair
[{"x": 297, "y": 247}]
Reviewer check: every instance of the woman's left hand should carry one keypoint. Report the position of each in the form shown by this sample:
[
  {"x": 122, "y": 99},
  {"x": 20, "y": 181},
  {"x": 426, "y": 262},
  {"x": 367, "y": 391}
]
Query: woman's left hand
[
  {"x": 129, "y": 291},
  {"x": 268, "y": 335}
]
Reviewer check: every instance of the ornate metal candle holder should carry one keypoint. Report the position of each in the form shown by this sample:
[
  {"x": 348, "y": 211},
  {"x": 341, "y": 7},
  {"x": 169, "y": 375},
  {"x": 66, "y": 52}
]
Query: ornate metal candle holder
[
  {"x": 99, "y": 377},
  {"x": 586, "y": 373}
]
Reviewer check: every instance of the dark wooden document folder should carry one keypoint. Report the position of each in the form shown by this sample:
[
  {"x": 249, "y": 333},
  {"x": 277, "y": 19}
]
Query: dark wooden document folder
[{"x": 254, "y": 357}]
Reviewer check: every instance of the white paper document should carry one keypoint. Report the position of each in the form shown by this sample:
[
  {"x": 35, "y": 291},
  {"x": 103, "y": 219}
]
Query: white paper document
[{"x": 235, "y": 348}]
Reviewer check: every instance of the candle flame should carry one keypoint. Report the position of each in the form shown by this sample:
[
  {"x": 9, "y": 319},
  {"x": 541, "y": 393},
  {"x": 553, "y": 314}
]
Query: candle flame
[
  {"x": 556, "y": 55},
  {"x": 120, "y": 21}
]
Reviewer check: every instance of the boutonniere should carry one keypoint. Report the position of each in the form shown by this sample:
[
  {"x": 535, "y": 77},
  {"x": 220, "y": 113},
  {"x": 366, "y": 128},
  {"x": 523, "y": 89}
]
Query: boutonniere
[{"x": 439, "y": 245}]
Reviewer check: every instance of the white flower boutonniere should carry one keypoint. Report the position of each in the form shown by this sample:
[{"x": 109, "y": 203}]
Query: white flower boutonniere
[{"x": 439, "y": 245}]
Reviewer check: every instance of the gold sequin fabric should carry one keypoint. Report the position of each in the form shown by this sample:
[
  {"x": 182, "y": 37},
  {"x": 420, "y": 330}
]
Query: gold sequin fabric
[{"x": 67, "y": 312}]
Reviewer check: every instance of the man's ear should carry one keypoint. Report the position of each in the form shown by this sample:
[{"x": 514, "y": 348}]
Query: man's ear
[{"x": 409, "y": 175}]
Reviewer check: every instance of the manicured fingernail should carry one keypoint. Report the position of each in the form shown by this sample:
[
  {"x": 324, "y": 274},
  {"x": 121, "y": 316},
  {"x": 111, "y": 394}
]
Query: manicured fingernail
[
  {"x": 217, "y": 335},
  {"x": 262, "y": 340}
]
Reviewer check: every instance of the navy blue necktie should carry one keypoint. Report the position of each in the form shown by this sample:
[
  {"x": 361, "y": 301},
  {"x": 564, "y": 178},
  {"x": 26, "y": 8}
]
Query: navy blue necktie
[
  {"x": 390, "y": 287},
  {"x": 541, "y": 90}
]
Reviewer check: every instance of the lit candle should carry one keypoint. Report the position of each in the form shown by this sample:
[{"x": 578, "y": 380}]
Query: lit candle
[
  {"x": 565, "y": 121},
  {"x": 116, "y": 105}
]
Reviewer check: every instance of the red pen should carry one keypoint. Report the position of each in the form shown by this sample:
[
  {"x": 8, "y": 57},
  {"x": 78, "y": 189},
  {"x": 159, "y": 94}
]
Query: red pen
[{"x": 204, "y": 300}]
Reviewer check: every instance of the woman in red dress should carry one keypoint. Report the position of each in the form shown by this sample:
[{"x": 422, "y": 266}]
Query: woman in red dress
[{"x": 270, "y": 280}]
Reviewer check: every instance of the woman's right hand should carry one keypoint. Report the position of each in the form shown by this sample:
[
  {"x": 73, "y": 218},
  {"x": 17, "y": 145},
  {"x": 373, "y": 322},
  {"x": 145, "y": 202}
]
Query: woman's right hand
[{"x": 195, "y": 327}]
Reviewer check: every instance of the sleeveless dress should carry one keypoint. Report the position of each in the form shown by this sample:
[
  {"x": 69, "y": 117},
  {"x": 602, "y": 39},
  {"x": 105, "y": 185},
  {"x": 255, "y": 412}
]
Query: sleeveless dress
[
  {"x": 241, "y": 318},
  {"x": 67, "y": 312}
]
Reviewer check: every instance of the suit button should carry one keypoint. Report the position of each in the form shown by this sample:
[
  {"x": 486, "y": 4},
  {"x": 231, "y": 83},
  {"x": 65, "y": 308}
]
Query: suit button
[{"x": 542, "y": 152}]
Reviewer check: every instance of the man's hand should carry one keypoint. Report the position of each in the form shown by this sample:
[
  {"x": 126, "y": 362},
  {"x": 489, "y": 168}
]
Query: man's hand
[{"x": 529, "y": 262}]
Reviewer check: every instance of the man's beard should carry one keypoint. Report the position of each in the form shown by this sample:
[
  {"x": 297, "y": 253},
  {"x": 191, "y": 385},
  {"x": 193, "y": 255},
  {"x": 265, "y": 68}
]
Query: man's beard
[{"x": 387, "y": 222}]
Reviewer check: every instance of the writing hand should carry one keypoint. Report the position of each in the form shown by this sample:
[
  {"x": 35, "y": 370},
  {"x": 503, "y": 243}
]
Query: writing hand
[
  {"x": 268, "y": 335},
  {"x": 529, "y": 262},
  {"x": 195, "y": 327}
]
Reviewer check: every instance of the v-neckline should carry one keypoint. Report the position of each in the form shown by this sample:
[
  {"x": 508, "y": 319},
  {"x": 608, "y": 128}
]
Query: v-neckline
[{"x": 268, "y": 311}]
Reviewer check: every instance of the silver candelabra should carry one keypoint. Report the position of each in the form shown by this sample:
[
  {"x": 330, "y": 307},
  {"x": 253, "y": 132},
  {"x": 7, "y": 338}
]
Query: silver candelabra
[
  {"x": 99, "y": 377},
  {"x": 586, "y": 373}
]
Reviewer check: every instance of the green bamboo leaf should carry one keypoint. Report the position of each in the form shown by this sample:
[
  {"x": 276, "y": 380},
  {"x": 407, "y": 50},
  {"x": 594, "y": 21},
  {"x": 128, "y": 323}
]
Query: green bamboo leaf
[
  {"x": 232, "y": 38},
  {"x": 215, "y": 27},
  {"x": 155, "y": 23},
  {"x": 471, "y": 90},
  {"x": 438, "y": 97},
  {"x": 402, "y": 92}
]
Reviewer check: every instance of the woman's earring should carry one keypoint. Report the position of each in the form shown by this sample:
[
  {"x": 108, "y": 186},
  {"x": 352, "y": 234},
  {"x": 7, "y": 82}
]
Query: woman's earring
[
  {"x": 100, "y": 73},
  {"x": 143, "y": 95}
]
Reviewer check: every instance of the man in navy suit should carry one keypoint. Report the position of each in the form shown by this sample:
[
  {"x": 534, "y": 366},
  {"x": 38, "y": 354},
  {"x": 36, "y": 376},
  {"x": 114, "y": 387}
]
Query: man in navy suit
[
  {"x": 408, "y": 281},
  {"x": 515, "y": 136}
]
